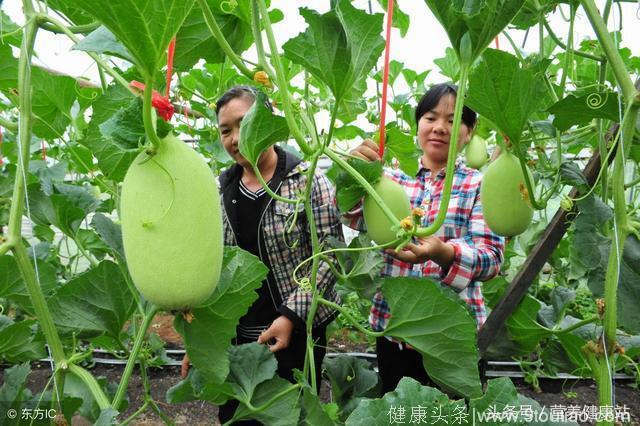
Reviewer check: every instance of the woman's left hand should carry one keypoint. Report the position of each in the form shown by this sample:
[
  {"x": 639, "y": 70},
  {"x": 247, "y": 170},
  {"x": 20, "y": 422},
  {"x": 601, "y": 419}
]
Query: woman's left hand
[
  {"x": 430, "y": 248},
  {"x": 280, "y": 330}
]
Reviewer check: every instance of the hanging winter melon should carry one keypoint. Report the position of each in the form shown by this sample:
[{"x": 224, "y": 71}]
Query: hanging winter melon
[
  {"x": 505, "y": 200},
  {"x": 172, "y": 226},
  {"x": 379, "y": 227},
  {"x": 476, "y": 152}
]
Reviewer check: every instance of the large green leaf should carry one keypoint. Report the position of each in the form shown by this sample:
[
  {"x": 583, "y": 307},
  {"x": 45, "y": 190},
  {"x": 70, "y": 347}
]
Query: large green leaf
[
  {"x": 208, "y": 336},
  {"x": 95, "y": 302},
  {"x": 401, "y": 20},
  {"x": 284, "y": 411},
  {"x": 340, "y": 47},
  {"x": 449, "y": 64},
  {"x": 52, "y": 99},
  {"x": 504, "y": 93},
  {"x": 260, "y": 129},
  {"x": 476, "y": 21},
  {"x": 522, "y": 324},
  {"x": 144, "y": 27},
  {"x": 20, "y": 341},
  {"x": 351, "y": 380},
  {"x": 439, "y": 328},
  {"x": 9, "y": 27},
  {"x": 362, "y": 267},
  {"x": 409, "y": 403},
  {"x": 579, "y": 110},
  {"x": 102, "y": 40}
]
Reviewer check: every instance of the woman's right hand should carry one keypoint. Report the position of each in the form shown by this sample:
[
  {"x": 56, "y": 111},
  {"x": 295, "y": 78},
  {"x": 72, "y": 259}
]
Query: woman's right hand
[{"x": 367, "y": 150}]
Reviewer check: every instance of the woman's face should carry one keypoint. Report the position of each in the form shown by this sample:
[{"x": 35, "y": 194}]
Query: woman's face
[
  {"x": 229, "y": 118},
  {"x": 434, "y": 131}
]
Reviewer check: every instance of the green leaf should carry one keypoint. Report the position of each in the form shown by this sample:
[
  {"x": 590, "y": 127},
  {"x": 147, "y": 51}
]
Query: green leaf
[
  {"x": 115, "y": 154},
  {"x": 208, "y": 337},
  {"x": 284, "y": 411},
  {"x": 8, "y": 26},
  {"x": 196, "y": 387},
  {"x": 362, "y": 267},
  {"x": 95, "y": 302},
  {"x": 20, "y": 342},
  {"x": 144, "y": 27},
  {"x": 14, "y": 389},
  {"x": 340, "y": 47},
  {"x": 440, "y": 329},
  {"x": 8, "y": 69},
  {"x": 314, "y": 413},
  {"x": 500, "y": 394},
  {"x": 449, "y": 65},
  {"x": 401, "y": 146},
  {"x": 351, "y": 379},
  {"x": 348, "y": 132},
  {"x": 401, "y": 20},
  {"x": 480, "y": 20},
  {"x": 110, "y": 232},
  {"x": 506, "y": 94},
  {"x": 196, "y": 42},
  {"x": 77, "y": 16},
  {"x": 410, "y": 400},
  {"x": 260, "y": 129},
  {"x": 12, "y": 286},
  {"x": 580, "y": 110},
  {"x": 252, "y": 364},
  {"x": 348, "y": 191},
  {"x": 52, "y": 99},
  {"x": 76, "y": 388},
  {"x": 523, "y": 326},
  {"x": 103, "y": 41}
]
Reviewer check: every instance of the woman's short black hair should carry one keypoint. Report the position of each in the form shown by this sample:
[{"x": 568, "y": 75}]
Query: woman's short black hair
[
  {"x": 236, "y": 92},
  {"x": 430, "y": 100}
]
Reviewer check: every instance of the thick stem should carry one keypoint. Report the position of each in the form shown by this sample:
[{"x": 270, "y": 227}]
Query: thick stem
[
  {"x": 563, "y": 46},
  {"x": 75, "y": 29},
  {"x": 609, "y": 48},
  {"x": 281, "y": 81},
  {"x": 451, "y": 161},
  {"x": 39, "y": 303},
  {"x": 9, "y": 125},
  {"x": 210, "y": 20},
  {"x": 315, "y": 245},
  {"x": 568, "y": 59},
  {"x": 257, "y": 35},
  {"x": 147, "y": 115},
  {"x": 92, "y": 384},
  {"x": 133, "y": 358}
]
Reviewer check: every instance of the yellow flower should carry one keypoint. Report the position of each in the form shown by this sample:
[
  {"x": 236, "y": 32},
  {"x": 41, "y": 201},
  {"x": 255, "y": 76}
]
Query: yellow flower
[{"x": 262, "y": 78}]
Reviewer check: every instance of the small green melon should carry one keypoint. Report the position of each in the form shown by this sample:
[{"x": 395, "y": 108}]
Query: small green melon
[
  {"x": 172, "y": 226},
  {"x": 476, "y": 152},
  {"x": 379, "y": 227},
  {"x": 505, "y": 202}
]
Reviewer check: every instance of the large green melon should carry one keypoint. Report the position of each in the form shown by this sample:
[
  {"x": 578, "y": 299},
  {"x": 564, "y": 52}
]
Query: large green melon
[
  {"x": 505, "y": 205},
  {"x": 172, "y": 226},
  {"x": 476, "y": 152},
  {"x": 379, "y": 227}
]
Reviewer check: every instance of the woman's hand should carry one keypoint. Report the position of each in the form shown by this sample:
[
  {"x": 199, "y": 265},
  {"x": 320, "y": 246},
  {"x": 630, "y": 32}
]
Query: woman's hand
[
  {"x": 367, "y": 150},
  {"x": 430, "y": 248},
  {"x": 280, "y": 330}
]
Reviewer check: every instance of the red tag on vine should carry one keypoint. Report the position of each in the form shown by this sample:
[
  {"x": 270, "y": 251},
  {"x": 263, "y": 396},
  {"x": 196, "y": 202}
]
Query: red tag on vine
[{"x": 162, "y": 104}]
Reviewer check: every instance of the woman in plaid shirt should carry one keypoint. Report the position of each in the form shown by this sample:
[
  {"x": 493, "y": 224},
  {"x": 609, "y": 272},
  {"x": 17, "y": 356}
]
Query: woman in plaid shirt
[{"x": 461, "y": 254}]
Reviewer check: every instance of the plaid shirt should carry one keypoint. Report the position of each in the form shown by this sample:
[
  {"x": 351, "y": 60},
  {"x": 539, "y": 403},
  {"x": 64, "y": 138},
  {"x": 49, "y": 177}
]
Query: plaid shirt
[
  {"x": 285, "y": 250},
  {"x": 478, "y": 252}
]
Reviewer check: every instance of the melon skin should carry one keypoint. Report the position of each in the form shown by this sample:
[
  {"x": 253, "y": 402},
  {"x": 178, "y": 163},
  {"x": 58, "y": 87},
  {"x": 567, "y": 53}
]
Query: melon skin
[
  {"x": 379, "y": 227},
  {"x": 507, "y": 211},
  {"x": 172, "y": 233},
  {"x": 476, "y": 153}
]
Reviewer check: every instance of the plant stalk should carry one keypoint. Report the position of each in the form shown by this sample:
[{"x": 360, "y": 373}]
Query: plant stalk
[{"x": 133, "y": 357}]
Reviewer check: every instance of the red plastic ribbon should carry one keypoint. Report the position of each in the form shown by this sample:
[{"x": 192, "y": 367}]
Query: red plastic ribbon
[
  {"x": 162, "y": 104},
  {"x": 170, "y": 52},
  {"x": 497, "y": 41},
  {"x": 385, "y": 76}
]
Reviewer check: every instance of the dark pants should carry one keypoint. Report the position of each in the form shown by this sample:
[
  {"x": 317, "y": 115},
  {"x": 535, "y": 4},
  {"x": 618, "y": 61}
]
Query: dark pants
[
  {"x": 396, "y": 362},
  {"x": 288, "y": 359}
]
